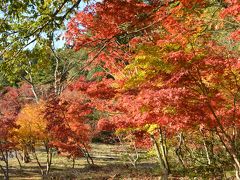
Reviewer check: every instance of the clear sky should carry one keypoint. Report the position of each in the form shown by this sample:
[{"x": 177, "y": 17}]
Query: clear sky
[{"x": 60, "y": 42}]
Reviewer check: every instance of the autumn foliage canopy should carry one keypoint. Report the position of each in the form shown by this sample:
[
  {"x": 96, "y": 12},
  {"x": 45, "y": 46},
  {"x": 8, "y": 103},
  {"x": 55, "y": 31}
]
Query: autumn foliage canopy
[{"x": 156, "y": 72}]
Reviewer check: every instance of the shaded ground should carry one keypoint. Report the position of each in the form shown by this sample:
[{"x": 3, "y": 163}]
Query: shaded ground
[{"x": 110, "y": 164}]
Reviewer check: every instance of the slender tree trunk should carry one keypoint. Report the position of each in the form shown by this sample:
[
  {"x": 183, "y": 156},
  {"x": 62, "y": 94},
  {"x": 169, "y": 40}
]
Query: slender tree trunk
[
  {"x": 73, "y": 163},
  {"x": 49, "y": 160},
  {"x": 160, "y": 159},
  {"x": 6, "y": 170},
  {"x": 178, "y": 150},
  {"x": 30, "y": 81},
  {"x": 19, "y": 162},
  {"x": 56, "y": 74},
  {"x": 206, "y": 148},
  {"x": 236, "y": 147},
  {"x": 7, "y": 165},
  {"x": 135, "y": 157},
  {"x": 38, "y": 162},
  {"x": 237, "y": 170},
  {"x": 87, "y": 155},
  {"x": 236, "y": 164},
  {"x": 207, "y": 153},
  {"x": 49, "y": 156},
  {"x": 164, "y": 149},
  {"x": 34, "y": 93},
  {"x": 229, "y": 146},
  {"x": 25, "y": 157},
  {"x": 211, "y": 148},
  {"x": 236, "y": 138}
]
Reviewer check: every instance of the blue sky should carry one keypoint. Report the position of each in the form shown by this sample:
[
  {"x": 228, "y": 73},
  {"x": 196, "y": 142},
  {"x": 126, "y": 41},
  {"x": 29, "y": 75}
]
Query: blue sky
[{"x": 59, "y": 43}]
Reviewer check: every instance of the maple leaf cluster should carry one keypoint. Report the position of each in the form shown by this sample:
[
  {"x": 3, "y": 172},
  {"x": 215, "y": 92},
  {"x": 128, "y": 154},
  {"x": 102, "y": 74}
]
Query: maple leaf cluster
[
  {"x": 67, "y": 124},
  {"x": 9, "y": 108}
]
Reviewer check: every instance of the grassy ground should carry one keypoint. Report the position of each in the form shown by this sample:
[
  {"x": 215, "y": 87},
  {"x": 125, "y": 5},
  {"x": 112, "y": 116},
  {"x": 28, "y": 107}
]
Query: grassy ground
[{"x": 110, "y": 164}]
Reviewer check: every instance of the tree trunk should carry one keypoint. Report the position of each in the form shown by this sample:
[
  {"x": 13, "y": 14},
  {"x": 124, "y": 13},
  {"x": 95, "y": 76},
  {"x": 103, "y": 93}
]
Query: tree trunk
[
  {"x": 164, "y": 149},
  {"x": 236, "y": 165},
  {"x": 38, "y": 162},
  {"x": 25, "y": 157},
  {"x": 206, "y": 148},
  {"x": 73, "y": 163},
  {"x": 6, "y": 170},
  {"x": 19, "y": 162},
  {"x": 7, "y": 166},
  {"x": 87, "y": 155},
  {"x": 230, "y": 148},
  {"x": 178, "y": 150},
  {"x": 160, "y": 159},
  {"x": 49, "y": 161},
  {"x": 49, "y": 157}
]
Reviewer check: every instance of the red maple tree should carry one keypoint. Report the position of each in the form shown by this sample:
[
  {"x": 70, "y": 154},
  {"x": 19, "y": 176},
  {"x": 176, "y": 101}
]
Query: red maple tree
[
  {"x": 67, "y": 123},
  {"x": 168, "y": 68},
  {"x": 9, "y": 108}
]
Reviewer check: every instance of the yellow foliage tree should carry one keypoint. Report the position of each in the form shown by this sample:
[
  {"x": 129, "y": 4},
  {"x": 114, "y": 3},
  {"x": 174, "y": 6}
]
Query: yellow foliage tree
[
  {"x": 32, "y": 125},
  {"x": 32, "y": 132}
]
